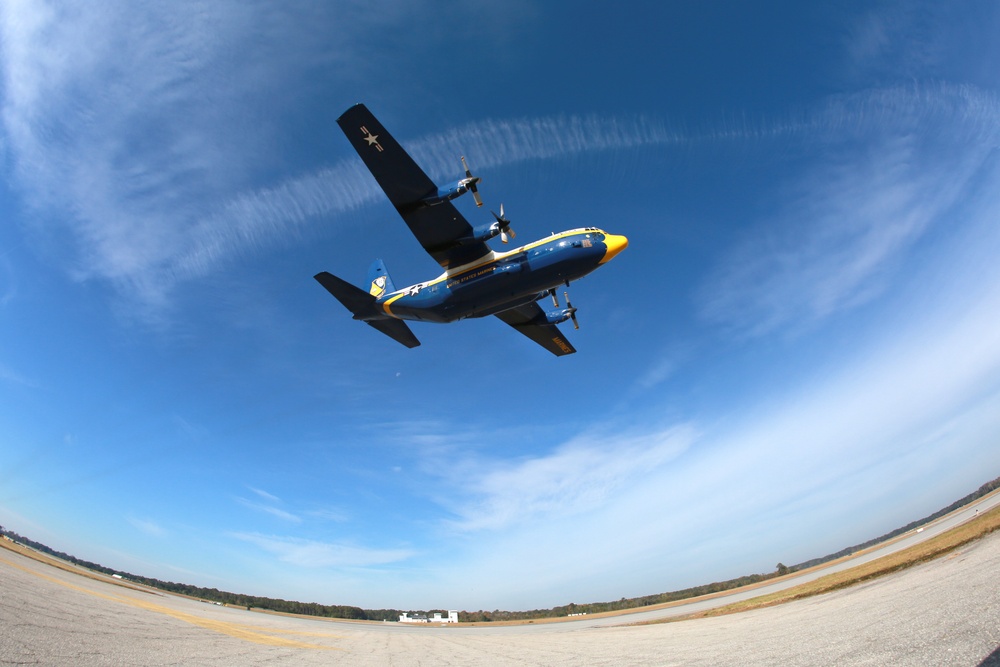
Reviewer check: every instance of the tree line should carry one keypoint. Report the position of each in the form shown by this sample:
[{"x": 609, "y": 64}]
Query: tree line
[
  {"x": 719, "y": 586},
  {"x": 357, "y": 613}
]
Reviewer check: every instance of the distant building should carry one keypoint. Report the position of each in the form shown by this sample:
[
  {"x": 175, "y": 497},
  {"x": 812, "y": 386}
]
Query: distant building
[
  {"x": 452, "y": 617},
  {"x": 416, "y": 618}
]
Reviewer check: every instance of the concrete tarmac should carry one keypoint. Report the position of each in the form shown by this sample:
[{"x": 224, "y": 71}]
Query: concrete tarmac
[{"x": 945, "y": 612}]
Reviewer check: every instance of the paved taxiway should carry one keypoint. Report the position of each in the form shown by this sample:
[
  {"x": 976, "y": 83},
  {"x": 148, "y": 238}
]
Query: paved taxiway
[{"x": 945, "y": 612}]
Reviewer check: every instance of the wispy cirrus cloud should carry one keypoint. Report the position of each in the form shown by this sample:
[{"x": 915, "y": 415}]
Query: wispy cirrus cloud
[
  {"x": 916, "y": 40},
  {"x": 7, "y": 374},
  {"x": 334, "y": 514},
  {"x": 260, "y": 217},
  {"x": 318, "y": 554},
  {"x": 270, "y": 497},
  {"x": 125, "y": 125},
  {"x": 140, "y": 136},
  {"x": 270, "y": 509},
  {"x": 146, "y": 149},
  {"x": 850, "y": 220},
  {"x": 575, "y": 478},
  {"x": 504, "y": 142},
  {"x": 918, "y": 398},
  {"x": 147, "y": 526}
]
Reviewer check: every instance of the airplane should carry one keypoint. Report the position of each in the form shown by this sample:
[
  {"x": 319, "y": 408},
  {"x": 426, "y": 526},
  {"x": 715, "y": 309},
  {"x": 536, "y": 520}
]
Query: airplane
[{"x": 477, "y": 281}]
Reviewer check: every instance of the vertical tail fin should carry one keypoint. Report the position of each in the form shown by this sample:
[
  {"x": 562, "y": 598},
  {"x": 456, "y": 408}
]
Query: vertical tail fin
[{"x": 379, "y": 281}]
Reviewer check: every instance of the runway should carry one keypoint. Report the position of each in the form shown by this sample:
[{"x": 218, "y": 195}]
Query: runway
[{"x": 945, "y": 612}]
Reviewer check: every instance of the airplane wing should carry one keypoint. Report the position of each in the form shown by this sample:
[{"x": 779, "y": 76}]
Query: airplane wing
[
  {"x": 438, "y": 228},
  {"x": 526, "y": 319}
]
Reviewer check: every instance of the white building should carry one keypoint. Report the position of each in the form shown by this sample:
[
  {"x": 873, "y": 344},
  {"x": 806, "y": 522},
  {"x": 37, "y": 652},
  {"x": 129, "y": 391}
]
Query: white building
[{"x": 452, "y": 617}]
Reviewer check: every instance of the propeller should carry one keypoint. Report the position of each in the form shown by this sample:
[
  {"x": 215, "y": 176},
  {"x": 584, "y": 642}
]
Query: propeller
[
  {"x": 572, "y": 311},
  {"x": 555, "y": 299},
  {"x": 473, "y": 184},
  {"x": 504, "y": 225}
]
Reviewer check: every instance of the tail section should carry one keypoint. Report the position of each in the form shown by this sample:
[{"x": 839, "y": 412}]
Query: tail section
[
  {"x": 354, "y": 299},
  {"x": 378, "y": 279},
  {"x": 363, "y": 306},
  {"x": 396, "y": 330}
]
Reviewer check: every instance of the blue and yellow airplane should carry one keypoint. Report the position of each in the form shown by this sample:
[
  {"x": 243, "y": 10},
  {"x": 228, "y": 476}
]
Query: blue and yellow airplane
[{"x": 477, "y": 281}]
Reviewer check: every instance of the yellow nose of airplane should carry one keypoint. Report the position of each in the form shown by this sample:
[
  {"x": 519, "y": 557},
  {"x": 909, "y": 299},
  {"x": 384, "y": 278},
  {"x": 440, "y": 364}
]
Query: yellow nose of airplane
[{"x": 615, "y": 244}]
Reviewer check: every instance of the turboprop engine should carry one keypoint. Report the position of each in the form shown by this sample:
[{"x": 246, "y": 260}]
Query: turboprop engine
[{"x": 456, "y": 189}]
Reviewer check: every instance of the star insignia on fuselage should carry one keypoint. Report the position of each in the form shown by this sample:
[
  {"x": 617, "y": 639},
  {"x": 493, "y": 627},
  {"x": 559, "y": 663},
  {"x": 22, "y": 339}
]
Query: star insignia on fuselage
[{"x": 372, "y": 139}]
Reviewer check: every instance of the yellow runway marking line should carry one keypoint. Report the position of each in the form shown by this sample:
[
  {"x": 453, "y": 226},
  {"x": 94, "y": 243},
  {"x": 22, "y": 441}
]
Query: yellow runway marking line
[{"x": 239, "y": 631}]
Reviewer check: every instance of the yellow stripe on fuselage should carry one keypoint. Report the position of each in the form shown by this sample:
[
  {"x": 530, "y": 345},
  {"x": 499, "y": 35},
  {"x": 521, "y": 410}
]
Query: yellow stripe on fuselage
[
  {"x": 392, "y": 299},
  {"x": 485, "y": 260}
]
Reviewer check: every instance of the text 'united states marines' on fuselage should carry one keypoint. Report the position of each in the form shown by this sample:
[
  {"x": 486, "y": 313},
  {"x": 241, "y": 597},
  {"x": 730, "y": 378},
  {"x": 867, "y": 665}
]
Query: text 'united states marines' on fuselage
[{"x": 477, "y": 281}]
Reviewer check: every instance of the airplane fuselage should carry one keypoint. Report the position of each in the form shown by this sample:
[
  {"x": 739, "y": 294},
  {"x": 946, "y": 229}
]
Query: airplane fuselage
[
  {"x": 477, "y": 280},
  {"x": 503, "y": 280}
]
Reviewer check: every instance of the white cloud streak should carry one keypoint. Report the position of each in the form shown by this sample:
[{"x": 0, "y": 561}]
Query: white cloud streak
[
  {"x": 910, "y": 408},
  {"x": 265, "y": 495},
  {"x": 851, "y": 220},
  {"x": 117, "y": 144},
  {"x": 316, "y": 554},
  {"x": 147, "y": 526},
  {"x": 682, "y": 505},
  {"x": 576, "y": 478},
  {"x": 271, "y": 510},
  {"x": 132, "y": 131},
  {"x": 125, "y": 124},
  {"x": 9, "y": 375},
  {"x": 261, "y": 217}
]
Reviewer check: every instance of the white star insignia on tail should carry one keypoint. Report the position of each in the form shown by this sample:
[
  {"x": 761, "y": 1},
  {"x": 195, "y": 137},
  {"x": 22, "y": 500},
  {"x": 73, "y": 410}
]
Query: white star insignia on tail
[{"x": 372, "y": 139}]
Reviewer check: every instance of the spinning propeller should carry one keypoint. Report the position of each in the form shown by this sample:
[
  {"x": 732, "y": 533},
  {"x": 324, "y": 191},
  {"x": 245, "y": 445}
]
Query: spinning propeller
[
  {"x": 504, "y": 225},
  {"x": 472, "y": 182},
  {"x": 570, "y": 310}
]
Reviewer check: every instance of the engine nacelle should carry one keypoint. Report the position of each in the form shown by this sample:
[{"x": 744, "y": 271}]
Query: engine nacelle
[
  {"x": 451, "y": 191},
  {"x": 558, "y": 316},
  {"x": 481, "y": 234}
]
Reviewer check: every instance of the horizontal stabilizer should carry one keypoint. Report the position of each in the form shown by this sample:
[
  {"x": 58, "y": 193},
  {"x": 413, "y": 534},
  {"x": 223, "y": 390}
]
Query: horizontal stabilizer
[
  {"x": 355, "y": 300},
  {"x": 362, "y": 305},
  {"x": 396, "y": 330}
]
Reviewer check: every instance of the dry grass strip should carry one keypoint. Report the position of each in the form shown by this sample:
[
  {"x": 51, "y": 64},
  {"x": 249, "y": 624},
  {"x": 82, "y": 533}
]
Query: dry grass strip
[{"x": 945, "y": 543}]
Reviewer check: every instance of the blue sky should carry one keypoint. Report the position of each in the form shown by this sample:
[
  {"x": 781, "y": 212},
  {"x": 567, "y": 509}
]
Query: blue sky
[{"x": 798, "y": 351}]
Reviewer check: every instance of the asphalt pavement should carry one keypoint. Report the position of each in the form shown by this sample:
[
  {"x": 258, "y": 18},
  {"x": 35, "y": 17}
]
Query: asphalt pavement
[{"x": 944, "y": 612}]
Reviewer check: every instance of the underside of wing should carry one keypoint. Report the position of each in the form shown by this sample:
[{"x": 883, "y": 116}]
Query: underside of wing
[
  {"x": 439, "y": 228},
  {"x": 530, "y": 320}
]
